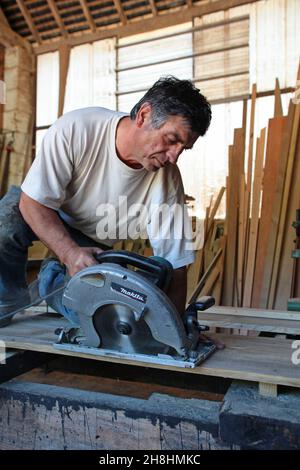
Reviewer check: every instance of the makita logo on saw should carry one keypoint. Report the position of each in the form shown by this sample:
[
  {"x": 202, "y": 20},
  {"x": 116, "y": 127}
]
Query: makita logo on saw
[{"x": 129, "y": 293}]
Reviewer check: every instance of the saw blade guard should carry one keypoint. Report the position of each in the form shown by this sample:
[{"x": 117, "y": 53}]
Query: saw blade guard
[{"x": 101, "y": 289}]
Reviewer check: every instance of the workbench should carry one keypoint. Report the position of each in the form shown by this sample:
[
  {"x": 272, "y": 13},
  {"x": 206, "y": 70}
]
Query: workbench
[{"x": 244, "y": 396}]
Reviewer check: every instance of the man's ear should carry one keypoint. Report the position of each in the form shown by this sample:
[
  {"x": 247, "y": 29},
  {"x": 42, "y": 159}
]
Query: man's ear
[{"x": 144, "y": 115}]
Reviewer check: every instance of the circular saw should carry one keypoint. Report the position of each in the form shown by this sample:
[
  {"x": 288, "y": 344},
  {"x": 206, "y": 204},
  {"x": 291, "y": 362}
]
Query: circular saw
[{"x": 124, "y": 312}]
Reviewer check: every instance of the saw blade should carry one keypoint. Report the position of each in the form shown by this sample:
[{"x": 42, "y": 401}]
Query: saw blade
[{"x": 119, "y": 331}]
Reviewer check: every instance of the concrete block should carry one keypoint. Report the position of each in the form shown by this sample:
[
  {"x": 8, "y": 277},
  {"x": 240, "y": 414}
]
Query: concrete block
[
  {"x": 253, "y": 421},
  {"x": 42, "y": 416}
]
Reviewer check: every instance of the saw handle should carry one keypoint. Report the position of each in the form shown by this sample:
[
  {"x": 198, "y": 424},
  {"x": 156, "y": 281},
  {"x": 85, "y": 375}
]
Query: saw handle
[
  {"x": 159, "y": 268},
  {"x": 202, "y": 304}
]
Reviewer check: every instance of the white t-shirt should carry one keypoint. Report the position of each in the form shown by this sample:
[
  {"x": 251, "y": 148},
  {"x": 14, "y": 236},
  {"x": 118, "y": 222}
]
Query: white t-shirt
[{"x": 77, "y": 171}]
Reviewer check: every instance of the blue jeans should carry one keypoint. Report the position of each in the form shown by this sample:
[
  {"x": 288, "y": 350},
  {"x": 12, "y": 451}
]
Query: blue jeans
[{"x": 15, "y": 238}]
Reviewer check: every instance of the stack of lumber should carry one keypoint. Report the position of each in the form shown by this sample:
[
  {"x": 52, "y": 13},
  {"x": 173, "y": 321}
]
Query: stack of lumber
[{"x": 253, "y": 266}]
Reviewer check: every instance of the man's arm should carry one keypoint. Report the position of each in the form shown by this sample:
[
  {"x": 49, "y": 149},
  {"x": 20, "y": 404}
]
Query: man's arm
[
  {"x": 178, "y": 289},
  {"x": 48, "y": 227}
]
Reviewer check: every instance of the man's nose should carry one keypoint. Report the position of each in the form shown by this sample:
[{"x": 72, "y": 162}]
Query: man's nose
[{"x": 174, "y": 152}]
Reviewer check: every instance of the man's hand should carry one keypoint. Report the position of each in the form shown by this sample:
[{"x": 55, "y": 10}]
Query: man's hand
[
  {"x": 78, "y": 258},
  {"x": 48, "y": 227}
]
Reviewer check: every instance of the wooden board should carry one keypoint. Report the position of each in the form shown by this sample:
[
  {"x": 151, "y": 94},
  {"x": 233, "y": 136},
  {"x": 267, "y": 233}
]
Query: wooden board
[
  {"x": 253, "y": 231},
  {"x": 275, "y": 218},
  {"x": 275, "y": 135},
  {"x": 246, "y": 358},
  {"x": 271, "y": 325}
]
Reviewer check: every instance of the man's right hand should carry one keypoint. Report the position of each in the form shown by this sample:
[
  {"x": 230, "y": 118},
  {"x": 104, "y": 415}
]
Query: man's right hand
[{"x": 78, "y": 258}]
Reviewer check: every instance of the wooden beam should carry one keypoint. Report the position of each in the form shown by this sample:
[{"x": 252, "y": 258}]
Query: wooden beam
[
  {"x": 64, "y": 58},
  {"x": 8, "y": 38},
  {"x": 28, "y": 18},
  {"x": 57, "y": 17},
  {"x": 153, "y": 7},
  {"x": 189, "y": 3},
  {"x": 120, "y": 11},
  {"x": 3, "y": 18},
  {"x": 145, "y": 25},
  {"x": 88, "y": 15}
]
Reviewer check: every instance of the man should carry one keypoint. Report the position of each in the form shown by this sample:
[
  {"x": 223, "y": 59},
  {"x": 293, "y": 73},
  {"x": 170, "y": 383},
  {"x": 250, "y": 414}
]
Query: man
[{"x": 88, "y": 159}]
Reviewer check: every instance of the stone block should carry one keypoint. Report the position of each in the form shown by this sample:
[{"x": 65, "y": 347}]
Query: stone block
[{"x": 253, "y": 421}]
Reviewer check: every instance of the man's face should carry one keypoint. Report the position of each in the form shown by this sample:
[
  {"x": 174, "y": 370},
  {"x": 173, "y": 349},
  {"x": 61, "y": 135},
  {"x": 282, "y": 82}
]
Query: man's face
[{"x": 159, "y": 147}]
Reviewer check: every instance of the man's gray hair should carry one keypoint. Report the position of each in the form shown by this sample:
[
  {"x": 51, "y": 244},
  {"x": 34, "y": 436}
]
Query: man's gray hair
[{"x": 170, "y": 96}]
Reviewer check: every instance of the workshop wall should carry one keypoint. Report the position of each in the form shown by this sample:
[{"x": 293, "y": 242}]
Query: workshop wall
[{"x": 18, "y": 117}]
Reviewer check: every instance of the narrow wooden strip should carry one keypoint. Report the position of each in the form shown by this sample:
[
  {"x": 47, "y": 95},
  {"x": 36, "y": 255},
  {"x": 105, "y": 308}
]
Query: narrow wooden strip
[
  {"x": 215, "y": 208},
  {"x": 258, "y": 174},
  {"x": 204, "y": 277},
  {"x": 277, "y": 105}
]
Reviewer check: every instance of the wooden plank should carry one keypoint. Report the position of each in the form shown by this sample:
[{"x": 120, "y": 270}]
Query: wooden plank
[
  {"x": 217, "y": 292},
  {"x": 271, "y": 325},
  {"x": 284, "y": 207},
  {"x": 286, "y": 268},
  {"x": 253, "y": 230},
  {"x": 215, "y": 208},
  {"x": 270, "y": 180},
  {"x": 193, "y": 273},
  {"x": 204, "y": 278},
  {"x": 236, "y": 167},
  {"x": 241, "y": 239},
  {"x": 246, "y": 358},
  {"x": 273, "y": 229},
  {"x": 255, "y": 312},
  {"x": 249, "y": 174},
  {"x": 278, "y": 105}
]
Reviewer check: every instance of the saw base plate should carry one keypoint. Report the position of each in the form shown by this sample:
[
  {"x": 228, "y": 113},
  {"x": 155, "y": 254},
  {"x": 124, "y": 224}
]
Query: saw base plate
[{"x": 203, "y": 352}]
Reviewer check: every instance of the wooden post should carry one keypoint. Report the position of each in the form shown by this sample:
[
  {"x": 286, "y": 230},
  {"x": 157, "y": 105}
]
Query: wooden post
[{"x": 64, "y": 59}]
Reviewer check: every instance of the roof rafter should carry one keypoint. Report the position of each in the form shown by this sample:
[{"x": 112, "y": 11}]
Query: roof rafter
[
  {"x": 3, "y": 18},
  {"x": 147, "y": 24},
  {"x": 88, "y": 15},
  {"x": 8, "y": 37},
  {"x": 57, "y": 17},
  {"x": 120, "y": 11},
  {"x": 28, "y": 18},
  {"x": 153, "y": 7}
]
